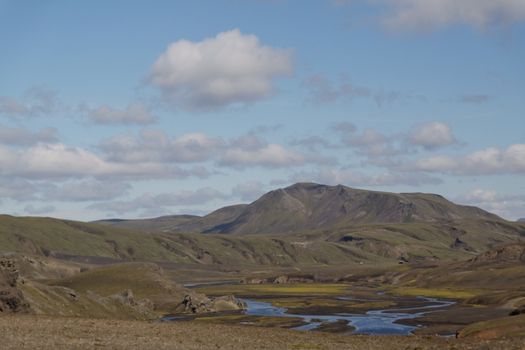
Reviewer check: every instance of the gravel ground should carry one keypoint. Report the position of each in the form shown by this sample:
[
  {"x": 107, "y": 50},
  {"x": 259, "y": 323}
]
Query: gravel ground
[{"x": 41, "y": 332}]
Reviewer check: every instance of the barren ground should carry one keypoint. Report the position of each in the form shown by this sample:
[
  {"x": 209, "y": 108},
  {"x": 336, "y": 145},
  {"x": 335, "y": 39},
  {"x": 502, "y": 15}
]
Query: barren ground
[{"x": 42, "y": 332}]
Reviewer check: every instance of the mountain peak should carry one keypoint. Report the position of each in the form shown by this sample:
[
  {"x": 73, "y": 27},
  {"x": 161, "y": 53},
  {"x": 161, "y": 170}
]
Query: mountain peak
[{"x": 306, "y": 206}]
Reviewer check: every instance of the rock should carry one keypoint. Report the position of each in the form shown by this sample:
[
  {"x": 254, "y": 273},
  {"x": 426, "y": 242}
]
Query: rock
[
  {"x": 511, "y": 253},
  {"x": 196, "y": 304},
  {"x": 11, "y": 298},
  {"x": 143, "y": 306},
  {"x": 518, "y": 311},
  {"x": 281, "y": 280},
  {"x": 126, "y": 297}
]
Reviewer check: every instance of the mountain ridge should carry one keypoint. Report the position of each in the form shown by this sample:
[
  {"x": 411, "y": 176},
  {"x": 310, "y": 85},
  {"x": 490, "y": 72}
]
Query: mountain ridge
[{"x": 310, "y": 206}]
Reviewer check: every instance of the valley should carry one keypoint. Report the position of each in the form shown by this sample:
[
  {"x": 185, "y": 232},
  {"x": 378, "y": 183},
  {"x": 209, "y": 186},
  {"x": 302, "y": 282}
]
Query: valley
[{"x": 414, "y": 264}]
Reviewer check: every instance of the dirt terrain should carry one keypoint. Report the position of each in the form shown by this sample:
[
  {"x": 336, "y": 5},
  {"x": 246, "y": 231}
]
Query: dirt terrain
[{"x": 42, "y": 332}]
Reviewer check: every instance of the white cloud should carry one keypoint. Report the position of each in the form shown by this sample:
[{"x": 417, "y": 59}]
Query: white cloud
[
  {"x": 432, "y": 135},
  {"x": 230, "y": 68},
  {"x": 488, "y": 161},
  {"x": 271, "y": 156},
  {"x": 371, "y": 143},
  {"x": 323, "y": 90},
  {"x": 24, "y": 137},
  {"x": 247, "y": 150},
  {"x": 409, "y": 14},
  {"x": 35, "y": 102},
  {"x": 135, "y": 113},
  {"x": 60, "y": 161},
  {"x": 157, "y": 146},
  {"x": 435, "y": 14},
  {"x": 509, "y": 206}
]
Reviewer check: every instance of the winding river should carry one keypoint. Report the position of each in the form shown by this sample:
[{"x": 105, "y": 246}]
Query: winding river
[{"x": 375, "y": 322}]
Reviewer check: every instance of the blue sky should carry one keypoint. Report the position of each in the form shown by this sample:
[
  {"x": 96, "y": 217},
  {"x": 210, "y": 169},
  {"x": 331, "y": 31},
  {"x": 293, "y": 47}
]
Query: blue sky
[{"x": 146, "y": 108}]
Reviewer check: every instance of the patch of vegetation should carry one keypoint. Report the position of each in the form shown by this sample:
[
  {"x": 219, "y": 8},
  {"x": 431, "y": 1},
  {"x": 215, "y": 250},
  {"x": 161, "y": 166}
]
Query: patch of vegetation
[
  {"x": 512, "y": 326},
  {"x": 306, "y": 289},
  {"x": 435, "y": 293}
]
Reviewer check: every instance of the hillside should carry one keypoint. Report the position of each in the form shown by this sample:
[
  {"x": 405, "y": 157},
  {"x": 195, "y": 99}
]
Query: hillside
[
  {"x": 309, "y": 206},
  {"x": 48, "y": 286},
  {"x": 304, "y": 224}
]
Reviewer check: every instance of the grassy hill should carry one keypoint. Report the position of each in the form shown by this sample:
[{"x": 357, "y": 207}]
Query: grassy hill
[{"x": 366, "y": 243}]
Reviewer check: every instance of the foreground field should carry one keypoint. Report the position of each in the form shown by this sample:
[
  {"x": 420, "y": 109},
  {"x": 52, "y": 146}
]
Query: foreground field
[{"x": 41, "y": 332}]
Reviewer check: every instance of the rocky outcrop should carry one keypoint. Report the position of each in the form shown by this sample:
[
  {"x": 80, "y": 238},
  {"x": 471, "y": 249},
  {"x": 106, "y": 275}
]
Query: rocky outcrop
[
  {"x": 512, "y": 253},
  {"x": 11, "y": 298},
  {"x": 143, "y": 306},
  {"x": 283, "y": 279},
  {"x": 198, "y": 303}
]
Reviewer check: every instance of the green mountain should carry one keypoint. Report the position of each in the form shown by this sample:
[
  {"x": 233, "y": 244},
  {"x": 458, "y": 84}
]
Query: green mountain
[
  {"x": 309, "y": 206},
  {"x": 301, "y": 225}
]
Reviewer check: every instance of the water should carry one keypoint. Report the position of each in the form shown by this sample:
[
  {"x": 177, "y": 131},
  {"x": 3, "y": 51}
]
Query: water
[{"x": 375, "y": 322}]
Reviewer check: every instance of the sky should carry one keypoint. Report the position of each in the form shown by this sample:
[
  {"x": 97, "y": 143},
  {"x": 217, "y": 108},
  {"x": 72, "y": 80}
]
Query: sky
[{"x": 146, "y": 108}]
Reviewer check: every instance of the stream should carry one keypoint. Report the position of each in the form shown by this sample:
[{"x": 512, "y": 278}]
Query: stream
[{"x": 374, "y": 322}]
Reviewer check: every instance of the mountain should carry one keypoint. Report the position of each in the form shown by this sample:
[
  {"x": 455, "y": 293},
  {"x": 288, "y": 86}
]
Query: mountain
[
  {"x": 304, "y": 224},
  {"x": 521, "y": 220},
  {"x": 310, "y": 206}
]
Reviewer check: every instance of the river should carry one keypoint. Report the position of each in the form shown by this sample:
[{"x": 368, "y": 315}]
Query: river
[{"x": 374, "y": 322}]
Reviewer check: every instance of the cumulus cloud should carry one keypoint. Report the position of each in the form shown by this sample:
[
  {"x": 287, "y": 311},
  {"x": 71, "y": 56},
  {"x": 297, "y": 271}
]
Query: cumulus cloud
[
  {"x": 45, "y": 161},
  {"x": 510, "y": 206},
  {"x": 36, "y": 101},
  {"x": 24, "y": 137},
  {"x": 270, "y": 156},
  {"x": 157, "y": 146},
  {"x": 135, "y": 113},
  {"x": 371, "y": 143},
  {"x": 229, "y": 68},
  {"x": 321, "y": 89},
  {"x": 409, "y": 14},
  {"x": 437, "y": 14},
  {"x": 432, "y": 135},
  {"x": 489, "y": 161},
  {"x": 247, "y": 150}
]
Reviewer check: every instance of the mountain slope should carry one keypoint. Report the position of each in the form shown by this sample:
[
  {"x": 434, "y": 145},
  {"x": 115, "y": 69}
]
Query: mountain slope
[{"x": 307, "y": 206}]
